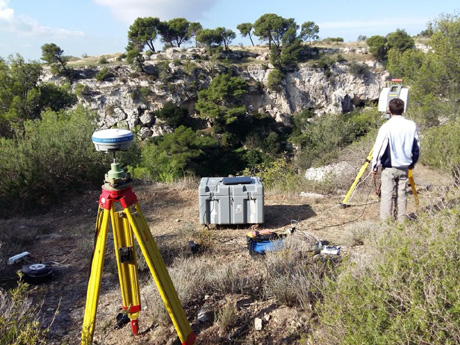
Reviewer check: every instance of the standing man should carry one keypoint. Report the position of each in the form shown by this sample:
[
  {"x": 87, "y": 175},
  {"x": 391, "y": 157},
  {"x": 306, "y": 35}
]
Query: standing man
[{"x": 397, "y": 149}]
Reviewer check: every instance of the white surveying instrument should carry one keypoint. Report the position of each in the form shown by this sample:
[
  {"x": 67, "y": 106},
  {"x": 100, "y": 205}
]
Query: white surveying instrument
[{"x": 395, "y": 90}]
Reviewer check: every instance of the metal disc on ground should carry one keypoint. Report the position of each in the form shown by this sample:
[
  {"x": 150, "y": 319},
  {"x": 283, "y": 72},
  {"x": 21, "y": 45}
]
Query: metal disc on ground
[{"x": 37, "y": 273}]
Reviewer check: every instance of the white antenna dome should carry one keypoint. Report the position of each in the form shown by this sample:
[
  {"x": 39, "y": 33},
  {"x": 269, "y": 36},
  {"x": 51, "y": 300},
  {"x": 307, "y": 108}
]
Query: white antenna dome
[{"x": 109, "y": 140}]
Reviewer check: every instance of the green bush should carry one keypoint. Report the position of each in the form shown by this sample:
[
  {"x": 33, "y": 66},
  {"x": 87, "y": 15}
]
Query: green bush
[
  {"x": 163, "y": 71},
  {"x": 52, "y": 155},
  {"x": 278, "y": 175},
  {"x": 321, "y": 140},
  {"x": 407, "y": 293},
  {"x": 82, "y": 90},
  {"x": 19, "y": 321},
  {"x": 359, "y": 69},
  {"x": 325, "y": 62},
  {"x": 174, "y": 156},
  {"x": 104, "y": 74},
  {"x": 121, "y": 57},
  {"x": 275, "y": 79},
  {"x": 330, "y": 40},
  {"x": 441, "y": 148},
  {"x": 173, "y": 115},
  {"x": 141, "y": 94},
  {"x": 103, "y": 60}
]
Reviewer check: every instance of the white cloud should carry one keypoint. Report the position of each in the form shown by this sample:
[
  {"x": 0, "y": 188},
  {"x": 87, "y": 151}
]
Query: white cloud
[
  {"x": 128, "y": 10},
  {"x": 6, "y": 13},
  {"x": 25, "y": 26}
]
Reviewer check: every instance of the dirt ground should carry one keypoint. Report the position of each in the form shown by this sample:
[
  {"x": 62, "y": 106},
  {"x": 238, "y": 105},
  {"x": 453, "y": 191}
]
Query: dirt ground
[{"x": 64, "y": 237}]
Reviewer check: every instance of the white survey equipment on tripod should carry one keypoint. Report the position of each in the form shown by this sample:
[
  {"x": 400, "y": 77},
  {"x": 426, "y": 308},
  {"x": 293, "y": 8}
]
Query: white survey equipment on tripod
[{"x": 395, "y": 90}]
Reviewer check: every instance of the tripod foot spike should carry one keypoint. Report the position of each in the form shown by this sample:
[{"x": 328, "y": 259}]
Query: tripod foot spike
[{"x": 135, "y": 326}]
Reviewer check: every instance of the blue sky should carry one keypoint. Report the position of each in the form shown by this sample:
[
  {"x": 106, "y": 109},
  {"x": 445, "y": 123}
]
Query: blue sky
[{"x": 96, "y": 27}]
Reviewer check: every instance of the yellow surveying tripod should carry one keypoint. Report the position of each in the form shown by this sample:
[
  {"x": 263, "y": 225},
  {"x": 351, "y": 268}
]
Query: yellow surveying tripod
[
  {"x": 127, "y": 222},
  {"x": 360, "y": 174}
]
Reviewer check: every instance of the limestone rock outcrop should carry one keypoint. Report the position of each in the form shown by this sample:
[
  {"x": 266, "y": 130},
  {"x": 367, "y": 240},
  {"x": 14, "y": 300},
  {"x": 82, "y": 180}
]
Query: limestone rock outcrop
[{"x": 129, "y": 98}]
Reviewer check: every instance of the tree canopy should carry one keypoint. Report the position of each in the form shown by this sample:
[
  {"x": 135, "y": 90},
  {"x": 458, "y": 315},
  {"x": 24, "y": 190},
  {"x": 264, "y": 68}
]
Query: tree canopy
[
  {"x": 193, "y": 28},
  {"x": 143, "y": 32},
  {"x": 399, "y": 40},
  {"x": 173, "y": 115},
  {"x": 379, "y": 46},
  {"x": 309, "y": 31},
  {"x": 175, "y": 31},
  {"x": 220, "y": 102},
  {"x": 22, "y": 97},
  {"x": 227, "y": 36},
  {"x": 245, "y": 29},
  {"x": 271, "y": 27},
  {"x": 209, "y": 38},
  {"x": 52, "y": 54}
]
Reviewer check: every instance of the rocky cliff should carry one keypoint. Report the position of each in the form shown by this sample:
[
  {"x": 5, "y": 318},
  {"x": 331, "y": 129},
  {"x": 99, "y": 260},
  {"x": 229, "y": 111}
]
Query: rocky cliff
[{"x": 125, "y": 97}]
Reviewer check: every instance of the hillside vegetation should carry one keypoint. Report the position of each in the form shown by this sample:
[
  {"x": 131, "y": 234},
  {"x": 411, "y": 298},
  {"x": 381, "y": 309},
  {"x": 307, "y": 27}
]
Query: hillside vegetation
[{"x": 395, "y": 284}]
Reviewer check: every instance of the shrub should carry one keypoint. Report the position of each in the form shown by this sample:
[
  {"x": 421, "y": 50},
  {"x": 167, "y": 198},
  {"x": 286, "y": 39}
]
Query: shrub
[
  {"x": 407, "y": 293},
  {"x": 293, "y": 277},
  {"x": 359, "y": 69},
  {"x": 104, "y": 74},
  {"x": 321, "y": 140},
  {"x": 333, "y": 40},
  {"x": 144, "y": 92},
  {"x": 175, "y": 155},
  {"x": 441, "y": 148},
  {"x": 19, "y": 323},
  {"x": 121, "y": 57},
  {"x": 275, "y": 79},
  {"x": 278, "y": 175},
  {"x": 227, "y": 316},
  {"x": 82, "y": 90},
  {"x": 52, "y": 155},
  {"x": 173, "y": 115},
  {"x": 141, "y": 94},
  {"x": 325, "y": 62},
  {"x": 163, "y": 71},
  {"x": 103, "y": 60},
  {"x": 340, "y": 58}
]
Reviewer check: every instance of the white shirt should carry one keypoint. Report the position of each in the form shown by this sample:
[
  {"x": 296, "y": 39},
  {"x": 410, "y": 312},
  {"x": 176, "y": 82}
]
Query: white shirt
[{"x": 399, "y": 133}]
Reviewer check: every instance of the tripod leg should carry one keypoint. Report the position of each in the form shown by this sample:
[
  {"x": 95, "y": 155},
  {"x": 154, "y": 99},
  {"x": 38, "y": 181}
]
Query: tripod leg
[
  {"x": 358, "y": 177},
  {"x": 160, "y": 274},
  {"x": 127, "y": 269},
  {"x": 412, "y": 186},
  {"x": 94, "y": 281}
]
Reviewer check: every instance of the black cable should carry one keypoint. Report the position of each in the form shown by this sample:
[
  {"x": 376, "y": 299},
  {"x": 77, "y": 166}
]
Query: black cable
[{"x": 350, "y": 221}]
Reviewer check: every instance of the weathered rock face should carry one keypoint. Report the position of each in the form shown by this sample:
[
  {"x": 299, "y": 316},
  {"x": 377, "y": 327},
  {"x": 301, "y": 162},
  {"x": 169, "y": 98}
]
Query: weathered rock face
[{"x": 130, "y": 98}]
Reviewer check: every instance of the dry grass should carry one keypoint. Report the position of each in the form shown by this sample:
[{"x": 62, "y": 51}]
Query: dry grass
[
  {"x": 227, "y": 316},
  {"x": 94, "y": 61},
  {"x": 406, "y": 279},
  {"x": 20, "y": 321},
  {"x": 278, "y": 287}
]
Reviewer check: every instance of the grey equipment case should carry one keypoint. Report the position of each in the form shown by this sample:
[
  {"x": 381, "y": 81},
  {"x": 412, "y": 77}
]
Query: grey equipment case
[{"x": 231, "y": 200}]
